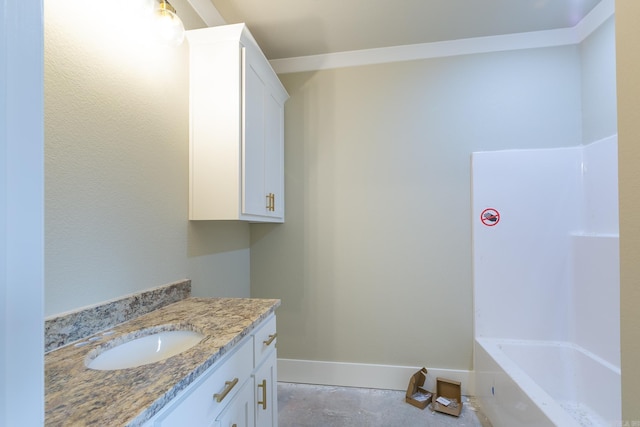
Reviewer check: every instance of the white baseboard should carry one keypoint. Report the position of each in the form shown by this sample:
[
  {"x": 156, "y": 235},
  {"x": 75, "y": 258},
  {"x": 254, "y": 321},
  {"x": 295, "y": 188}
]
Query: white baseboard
[{"x": 366, "y": 375}]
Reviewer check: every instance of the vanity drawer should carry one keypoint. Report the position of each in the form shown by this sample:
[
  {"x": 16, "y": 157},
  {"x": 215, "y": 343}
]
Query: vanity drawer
[
  {"x": 264, "y": 339},
  {"x": 203, "y": 400}
]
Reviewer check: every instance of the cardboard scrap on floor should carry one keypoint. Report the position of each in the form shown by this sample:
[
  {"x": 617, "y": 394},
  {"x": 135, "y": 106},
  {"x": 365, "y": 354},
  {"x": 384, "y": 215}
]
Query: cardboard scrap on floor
[
  {"x": 447, "y": 397},
  {"x": 416, "y": 395}
]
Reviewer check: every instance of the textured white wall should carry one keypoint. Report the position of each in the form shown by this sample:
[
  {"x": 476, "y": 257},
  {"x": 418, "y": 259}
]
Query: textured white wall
[
  {"x": 116, "y": 127},
  {"x": 374, "y": 262}
]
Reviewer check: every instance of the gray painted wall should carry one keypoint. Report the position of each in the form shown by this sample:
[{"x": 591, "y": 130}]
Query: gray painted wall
[{"x": 374, "y": 262}]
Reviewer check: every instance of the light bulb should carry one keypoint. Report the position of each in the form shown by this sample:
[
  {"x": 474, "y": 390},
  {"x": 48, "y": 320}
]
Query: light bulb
[{"x": 168, "y": 26}]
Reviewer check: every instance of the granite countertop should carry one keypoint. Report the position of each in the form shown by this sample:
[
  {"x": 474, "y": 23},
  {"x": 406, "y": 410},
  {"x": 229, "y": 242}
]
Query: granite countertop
[{"x": 76, "y": 395}]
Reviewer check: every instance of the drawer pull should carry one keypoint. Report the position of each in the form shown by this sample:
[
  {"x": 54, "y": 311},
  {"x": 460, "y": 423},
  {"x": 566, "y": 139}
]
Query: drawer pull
[
  {"x": 271, "y": 202},
  {"x": 228, "y": 385},
  {"x": 270, "y": 340},
  {"x": 264, "y": 394}
]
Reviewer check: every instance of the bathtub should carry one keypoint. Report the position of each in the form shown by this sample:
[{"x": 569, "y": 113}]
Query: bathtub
[{"x": 545, "y": 383}]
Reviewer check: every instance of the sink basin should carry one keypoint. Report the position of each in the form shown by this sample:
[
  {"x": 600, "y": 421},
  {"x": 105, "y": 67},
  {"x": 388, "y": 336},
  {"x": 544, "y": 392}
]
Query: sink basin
[{"x": 136, "y": 350}]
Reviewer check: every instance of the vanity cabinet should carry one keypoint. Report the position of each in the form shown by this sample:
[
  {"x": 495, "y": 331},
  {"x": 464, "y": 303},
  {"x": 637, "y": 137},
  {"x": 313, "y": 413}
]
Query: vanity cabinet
[
  {"x": 265, "y": 375},
  {"x": 239, "y": 390},
  {"x": 236, "y": 138},
  {"x": 266, "y": 389}
]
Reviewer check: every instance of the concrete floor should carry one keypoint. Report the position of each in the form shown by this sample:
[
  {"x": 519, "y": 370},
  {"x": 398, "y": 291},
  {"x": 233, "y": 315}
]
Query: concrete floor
[{"x": 304, "y": 405}]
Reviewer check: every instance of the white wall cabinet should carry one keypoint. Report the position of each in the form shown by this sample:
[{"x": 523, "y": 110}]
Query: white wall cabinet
[
  {"x": 236, "y": 136},
  {"x": 239, "y": 390}
]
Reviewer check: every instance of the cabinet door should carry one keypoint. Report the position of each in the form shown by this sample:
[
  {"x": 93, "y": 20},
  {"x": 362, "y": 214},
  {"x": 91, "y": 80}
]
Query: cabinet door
[
  {"x": 274, "y": 154},
  {"x": 266, "y": 392},
  {"x": 254, "y": 198},
  {"x": 215, "y": 116},
  {"x": 240, "y": 411}
]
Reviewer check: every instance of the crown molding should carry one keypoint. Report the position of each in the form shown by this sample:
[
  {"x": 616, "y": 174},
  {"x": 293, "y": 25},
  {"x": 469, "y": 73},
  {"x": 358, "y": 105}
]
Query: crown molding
[
  {"x": 537, "y": 39},
  {"x": 207, "y": 12}
]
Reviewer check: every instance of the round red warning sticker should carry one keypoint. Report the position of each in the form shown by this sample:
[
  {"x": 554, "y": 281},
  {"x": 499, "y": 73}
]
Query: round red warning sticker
[{"x": 490, "y": 217}]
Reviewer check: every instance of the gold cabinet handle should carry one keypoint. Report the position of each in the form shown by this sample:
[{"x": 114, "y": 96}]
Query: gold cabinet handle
[
  {"x": 271, "y": 202},
  {"x": 228, "y": 385},
  {"x": 272, "y": 337},
  {"x": 264, "y": 394}
]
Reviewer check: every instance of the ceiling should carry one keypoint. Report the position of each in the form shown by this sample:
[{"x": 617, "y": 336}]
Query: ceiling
[{"x": 294, "y": 28}]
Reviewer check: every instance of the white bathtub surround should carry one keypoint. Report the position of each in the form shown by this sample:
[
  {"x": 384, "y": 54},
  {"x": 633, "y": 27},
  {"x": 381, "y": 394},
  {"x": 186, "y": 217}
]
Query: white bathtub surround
[
  {"x": 546, "y": 286},
  {"x": 595, "y": 295}
]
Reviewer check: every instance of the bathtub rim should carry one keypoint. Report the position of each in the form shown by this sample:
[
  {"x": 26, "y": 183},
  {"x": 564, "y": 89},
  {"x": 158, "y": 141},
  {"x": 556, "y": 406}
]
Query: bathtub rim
[
  {"x": 538, "y": 397},
  {"x": 551, "y": 343}
]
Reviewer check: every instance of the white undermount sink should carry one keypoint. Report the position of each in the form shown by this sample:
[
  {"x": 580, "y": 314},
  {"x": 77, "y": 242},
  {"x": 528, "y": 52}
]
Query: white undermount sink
[{"x": 143, "y": 350}]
